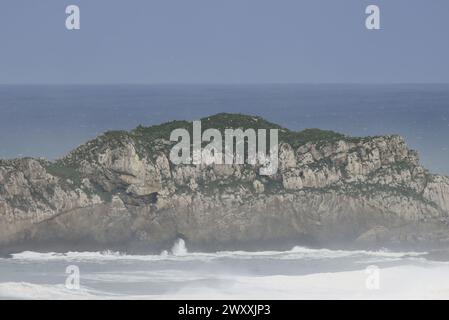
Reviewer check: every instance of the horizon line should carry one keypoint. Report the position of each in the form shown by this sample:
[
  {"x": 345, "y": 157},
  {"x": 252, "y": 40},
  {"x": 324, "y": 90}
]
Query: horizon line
[{"x": 217, "y": 83}]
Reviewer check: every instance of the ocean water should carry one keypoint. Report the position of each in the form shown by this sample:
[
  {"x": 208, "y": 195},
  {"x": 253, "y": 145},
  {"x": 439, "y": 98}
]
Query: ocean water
[
  {"x": 49, "y": 121},
  {"x": 300, "y": 273}
]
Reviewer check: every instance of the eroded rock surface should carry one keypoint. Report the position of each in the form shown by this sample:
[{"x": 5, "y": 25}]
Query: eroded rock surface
[{"x": 121, "y": 188}]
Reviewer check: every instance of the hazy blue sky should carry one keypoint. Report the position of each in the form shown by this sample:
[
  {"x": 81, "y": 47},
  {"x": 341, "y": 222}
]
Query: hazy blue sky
[{"x": 223, "y": 41}]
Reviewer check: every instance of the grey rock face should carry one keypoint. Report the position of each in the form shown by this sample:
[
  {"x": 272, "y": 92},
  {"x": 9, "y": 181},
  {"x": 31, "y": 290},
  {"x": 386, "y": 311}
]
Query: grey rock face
[{"x": 121, "y": 188}]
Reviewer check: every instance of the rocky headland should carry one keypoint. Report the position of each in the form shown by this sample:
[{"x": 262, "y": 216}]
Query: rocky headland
[{"x": 121, "y": 191}]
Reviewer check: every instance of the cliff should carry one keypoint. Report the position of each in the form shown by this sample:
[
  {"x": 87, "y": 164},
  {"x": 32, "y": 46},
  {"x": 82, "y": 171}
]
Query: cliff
[{"x": 121, "y": 190}]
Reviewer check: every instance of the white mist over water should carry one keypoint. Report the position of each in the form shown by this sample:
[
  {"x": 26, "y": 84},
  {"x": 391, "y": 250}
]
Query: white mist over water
[{"x": 300, "y": 273}]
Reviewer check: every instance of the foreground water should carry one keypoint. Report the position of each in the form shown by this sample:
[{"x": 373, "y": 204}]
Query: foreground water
[{"x": 300, "y": 273}]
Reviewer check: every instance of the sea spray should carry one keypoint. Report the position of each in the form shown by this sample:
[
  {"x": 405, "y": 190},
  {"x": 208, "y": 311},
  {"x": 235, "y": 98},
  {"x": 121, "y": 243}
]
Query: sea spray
[{"x": 179, "y": 248}]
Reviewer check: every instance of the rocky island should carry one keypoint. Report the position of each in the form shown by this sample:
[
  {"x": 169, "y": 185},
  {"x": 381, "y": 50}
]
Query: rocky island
[{"x": 120, "y": 191}]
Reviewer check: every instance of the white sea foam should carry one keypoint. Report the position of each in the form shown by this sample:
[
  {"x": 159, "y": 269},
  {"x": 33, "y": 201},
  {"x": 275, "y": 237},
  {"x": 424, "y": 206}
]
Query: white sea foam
[
  {"x": 230, "y": 275},
  {"x": 32, "y": 291},
  {"x": 180, "y": 252},
  {"x": 401, "y": 282}
]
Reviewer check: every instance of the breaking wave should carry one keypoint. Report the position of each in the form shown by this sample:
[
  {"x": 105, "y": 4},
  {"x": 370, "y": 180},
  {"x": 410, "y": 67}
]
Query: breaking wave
[
  {"x": 299, "y": 273},
  {"x": 178, "y": 249},
  {"x": 179, "y": 252}
]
